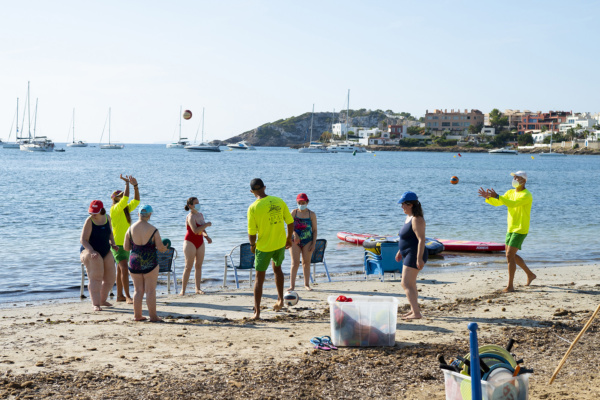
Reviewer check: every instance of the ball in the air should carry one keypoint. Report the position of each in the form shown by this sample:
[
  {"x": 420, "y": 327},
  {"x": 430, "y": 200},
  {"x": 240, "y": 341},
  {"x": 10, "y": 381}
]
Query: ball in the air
[
  {"x": 454, "y": 180},
  {"x": 187, "y": 114},
  {"x": 290, "y": 298}
]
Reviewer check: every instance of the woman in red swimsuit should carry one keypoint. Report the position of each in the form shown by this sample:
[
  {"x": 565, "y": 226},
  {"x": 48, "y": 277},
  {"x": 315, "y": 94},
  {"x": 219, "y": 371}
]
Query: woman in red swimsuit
[{"x": 193, "y": 244}]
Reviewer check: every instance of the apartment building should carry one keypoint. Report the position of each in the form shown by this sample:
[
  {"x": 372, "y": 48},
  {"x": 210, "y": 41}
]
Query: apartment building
[
  {"x": 536, "y": 121},
  {"x": 455, "y": 122}
]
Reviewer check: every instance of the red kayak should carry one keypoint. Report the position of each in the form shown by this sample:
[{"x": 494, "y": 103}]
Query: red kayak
[
  {"x": 449, "y": 245},
  {"x": 356, "y": 238}
]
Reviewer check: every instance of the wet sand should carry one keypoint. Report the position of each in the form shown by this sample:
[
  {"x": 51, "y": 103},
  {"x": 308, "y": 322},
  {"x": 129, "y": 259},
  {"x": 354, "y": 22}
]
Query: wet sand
[{"x": 207, "y": 347}]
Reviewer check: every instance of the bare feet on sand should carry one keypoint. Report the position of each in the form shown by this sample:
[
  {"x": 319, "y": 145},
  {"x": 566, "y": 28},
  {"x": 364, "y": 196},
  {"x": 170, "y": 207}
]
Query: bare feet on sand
[
  {"x": 140, "y": 319},
  {"x": 256, "y": 315},
  {"x": 508, "y": 289},
  {"x": 129, "y": 300},
  {"x": 158, "y": 319},
  {"x": 278, "y": 306},
  {"x": 107, "y": 304},
  {"x": 411, "y": 315},
  {"x": 406, "y": 315},
  {"x": 530, "y": 279},
  {"x": 97, "y": 308},
  {"x": 290, "y": 289},
  {"x": 120, "y": 299},
  {"x": 181, "y": 294},
  {"x": 200, "y": 291},
  {"x": 308, "y": 288}
]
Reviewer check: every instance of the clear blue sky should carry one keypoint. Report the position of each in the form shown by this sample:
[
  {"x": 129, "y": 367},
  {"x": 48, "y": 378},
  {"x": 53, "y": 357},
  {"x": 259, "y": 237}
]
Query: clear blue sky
[{"x": 252, "y": 62}]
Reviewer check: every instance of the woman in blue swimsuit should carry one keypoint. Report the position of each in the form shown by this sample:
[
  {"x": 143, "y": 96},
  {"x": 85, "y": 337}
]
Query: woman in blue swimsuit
[
  {"x": 303, "y": 240},
  {"x": 142, "y": 240},
  {"x": 411, "y": 250},
  {"x": 96, "y": 242}
]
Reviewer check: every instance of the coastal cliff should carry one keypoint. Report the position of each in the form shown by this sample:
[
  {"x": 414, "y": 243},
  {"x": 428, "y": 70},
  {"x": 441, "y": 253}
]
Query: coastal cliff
[{"x": 296, "y": 130}]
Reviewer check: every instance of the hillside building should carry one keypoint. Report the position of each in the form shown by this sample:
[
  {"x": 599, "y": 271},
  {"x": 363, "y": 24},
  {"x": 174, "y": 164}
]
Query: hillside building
[
  {"x": 536, "y": 121},
  {"x": 455, "y": 122}
]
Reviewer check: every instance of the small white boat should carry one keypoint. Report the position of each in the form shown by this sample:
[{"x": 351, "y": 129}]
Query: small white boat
[
  {"x": 109, "y": 146},
  {"x": 79, "y": 143},
  {"x": 38, "y": 144},
  {"x": 550, "y": 153},
  {"x": 314, "y": 147},
  {"x": 243, "y": 145},
  {"x": 202, "y": 146},
  {"x": 182, "y": 142},
  {"x": 346, "y": 147},
  {"x": 17, "y": 144},
  {"x": 504, "y": 150}
]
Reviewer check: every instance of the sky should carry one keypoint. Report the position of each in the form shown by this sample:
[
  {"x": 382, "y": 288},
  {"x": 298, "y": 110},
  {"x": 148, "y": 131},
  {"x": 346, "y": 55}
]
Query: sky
[{"x": 252, "y": 62}]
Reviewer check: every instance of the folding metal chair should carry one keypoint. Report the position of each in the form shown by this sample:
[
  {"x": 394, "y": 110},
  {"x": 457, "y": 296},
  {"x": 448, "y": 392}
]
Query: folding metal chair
[{"x": 244, "y": 262}]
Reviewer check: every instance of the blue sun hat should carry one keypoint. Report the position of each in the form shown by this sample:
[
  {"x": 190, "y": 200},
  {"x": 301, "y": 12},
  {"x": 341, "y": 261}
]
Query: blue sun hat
[
  {"x": 147, "y": 209},
  {"x": 408, "y": 196}
]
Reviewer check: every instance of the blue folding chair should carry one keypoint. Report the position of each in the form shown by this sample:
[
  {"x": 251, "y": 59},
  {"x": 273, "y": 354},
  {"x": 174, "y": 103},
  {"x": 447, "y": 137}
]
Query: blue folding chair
[
  {"x": 318, "y": 256},
  {"x": 166, "y": 263},
  {"x": 384, "y": 262},
  {"x": 244, "y": 262}
]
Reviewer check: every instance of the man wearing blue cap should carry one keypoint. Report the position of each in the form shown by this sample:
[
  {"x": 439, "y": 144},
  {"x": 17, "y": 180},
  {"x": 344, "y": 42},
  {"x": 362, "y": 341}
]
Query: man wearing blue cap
[{"x": 518, "y": 202}]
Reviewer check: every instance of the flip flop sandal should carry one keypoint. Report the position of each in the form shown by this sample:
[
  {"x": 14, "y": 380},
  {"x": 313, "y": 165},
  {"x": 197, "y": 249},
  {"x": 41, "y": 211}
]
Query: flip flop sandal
[
  {"x": 318, "y": 343},
  {"x": 326, "y": 340}
]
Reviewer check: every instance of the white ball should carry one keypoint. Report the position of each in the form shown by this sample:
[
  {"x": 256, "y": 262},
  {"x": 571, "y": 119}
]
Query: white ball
[{"x": 290, "y": 298}]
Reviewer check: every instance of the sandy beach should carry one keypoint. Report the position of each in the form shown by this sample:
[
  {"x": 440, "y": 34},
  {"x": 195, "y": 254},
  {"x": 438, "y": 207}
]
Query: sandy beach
[{"x": 207, "y": 348}]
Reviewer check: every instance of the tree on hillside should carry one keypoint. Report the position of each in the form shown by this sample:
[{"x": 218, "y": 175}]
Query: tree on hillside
[
  {"x": 497, "y": 120},
  {"x": 413, "y": 130},
  {"x": 475, "y": 129},
  {"x": 326, "y": 137},
  {"x": 544, "y": 128},
  {"x": 524, "y": 140}
]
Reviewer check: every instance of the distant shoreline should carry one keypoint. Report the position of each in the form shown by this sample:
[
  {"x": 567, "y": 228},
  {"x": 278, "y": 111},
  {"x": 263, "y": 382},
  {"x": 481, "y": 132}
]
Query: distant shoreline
[{"x": 463, "y": 149}]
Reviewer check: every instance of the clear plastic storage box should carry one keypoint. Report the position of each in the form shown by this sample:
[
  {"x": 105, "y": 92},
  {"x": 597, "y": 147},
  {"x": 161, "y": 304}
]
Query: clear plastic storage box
[
  {"x": 458, "y": 387},
  {"x": 366, "y": 321}
]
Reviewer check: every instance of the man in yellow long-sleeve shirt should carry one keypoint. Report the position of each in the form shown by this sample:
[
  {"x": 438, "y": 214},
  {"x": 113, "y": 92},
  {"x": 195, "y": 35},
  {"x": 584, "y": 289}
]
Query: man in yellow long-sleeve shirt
[{"x": 518, "y": 202}]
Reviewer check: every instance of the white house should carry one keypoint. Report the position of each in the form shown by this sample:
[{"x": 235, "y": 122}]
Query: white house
[
  {"x": 538, "y": 136},
  {"x": 341, "y": 129},
  {"x": 366, "y": 133},
  {"x": 585, "y": 120}
]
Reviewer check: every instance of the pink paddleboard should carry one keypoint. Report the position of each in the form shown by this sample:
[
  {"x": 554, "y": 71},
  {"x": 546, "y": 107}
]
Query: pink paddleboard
[
  {"x": 356, "y": 238},
  {"x": 470, "y": 246}
]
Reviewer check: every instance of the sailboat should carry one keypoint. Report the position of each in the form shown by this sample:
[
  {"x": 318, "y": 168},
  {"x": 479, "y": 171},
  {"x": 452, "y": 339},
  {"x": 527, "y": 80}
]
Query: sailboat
[
  {"x": 109, "y": 146},
  {"x": 313, "y": 147},
  {"x": 182, "y": 142},
  {"x": 9, "y": 144},
  {"x": 37, "y": 143},
  {"x": 74, "y": 143},
  {"x": 202, "y": 146},
  {"x": 347, "y": 146},
  {"x": 550, "y": 153}
]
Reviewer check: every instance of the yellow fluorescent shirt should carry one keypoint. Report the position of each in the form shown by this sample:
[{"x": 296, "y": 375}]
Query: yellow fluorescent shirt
[
  {"x": 268, "y": 218},
  {"x": 519, "y": 209},
  {"x": 119, "y": 221}
]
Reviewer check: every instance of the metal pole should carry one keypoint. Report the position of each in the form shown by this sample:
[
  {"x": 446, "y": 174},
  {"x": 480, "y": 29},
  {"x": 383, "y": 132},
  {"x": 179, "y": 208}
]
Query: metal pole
[{"x": 475, "y": 369}]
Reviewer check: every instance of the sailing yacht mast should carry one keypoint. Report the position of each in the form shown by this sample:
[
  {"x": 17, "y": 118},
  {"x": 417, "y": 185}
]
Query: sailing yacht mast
[
  {"x": 312, "y": 116},
  {"x": 202, "y": 125},
  {"x": 180, "y": 111},
  {"x": 109, "y": 126},
  {"x": 73, "y": 125},
  {"x": 28, "y": 113},
  {"x": 35, "y": 118},
  {"x": 348, "y": 116}
]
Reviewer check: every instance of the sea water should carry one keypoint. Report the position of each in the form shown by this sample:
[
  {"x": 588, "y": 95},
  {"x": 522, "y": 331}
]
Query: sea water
[{"x": 45, "y": 197}]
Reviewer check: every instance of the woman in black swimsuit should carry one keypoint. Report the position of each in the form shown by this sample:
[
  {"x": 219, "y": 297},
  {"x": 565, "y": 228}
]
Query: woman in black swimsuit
[
  {"x": 411, "y": 250},
  {"x": 96, "y": 242}
]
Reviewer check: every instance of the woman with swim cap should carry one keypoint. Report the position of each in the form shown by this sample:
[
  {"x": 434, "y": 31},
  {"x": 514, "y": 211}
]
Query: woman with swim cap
[
  {"x": 142, "y": 240},
  {"x": 193, "y": 244},
  {"x": 411, "y": 250},
  {"x": 120, "y": 215},
  {"x": 96, "y": 242},
  {"x": 303, "y": 240}
]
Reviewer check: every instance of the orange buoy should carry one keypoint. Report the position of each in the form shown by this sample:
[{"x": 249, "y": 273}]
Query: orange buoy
[{"x": 454, "y": 180}]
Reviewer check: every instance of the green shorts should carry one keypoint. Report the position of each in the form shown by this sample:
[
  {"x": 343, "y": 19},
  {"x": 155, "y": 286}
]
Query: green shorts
[
  {"x": 514, "y": 239},
  {"x": 263, "y": 258},
  {"x": 120, "y": 254}
]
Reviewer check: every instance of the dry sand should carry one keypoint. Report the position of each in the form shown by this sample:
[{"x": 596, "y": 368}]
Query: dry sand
[{"x": 207, "y": 347}]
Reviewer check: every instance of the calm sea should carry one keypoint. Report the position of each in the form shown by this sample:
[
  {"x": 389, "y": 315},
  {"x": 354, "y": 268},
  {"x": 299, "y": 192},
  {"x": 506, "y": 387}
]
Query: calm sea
[{"x": 45, "y": 199}]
